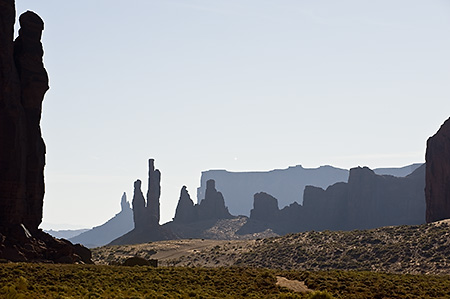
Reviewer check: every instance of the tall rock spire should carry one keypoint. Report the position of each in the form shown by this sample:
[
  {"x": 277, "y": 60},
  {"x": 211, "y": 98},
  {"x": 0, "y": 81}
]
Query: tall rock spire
[
  {"x": 153, "y": 193},
  {"x": 23, "y": 83},
  {"x": 138, "y": 206}
]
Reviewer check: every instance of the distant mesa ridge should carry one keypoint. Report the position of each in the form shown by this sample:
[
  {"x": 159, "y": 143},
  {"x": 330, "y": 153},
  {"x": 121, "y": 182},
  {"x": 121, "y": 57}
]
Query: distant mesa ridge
[
  {"x": 367, "y": 201},
  {"x": 286, "y": 185}
]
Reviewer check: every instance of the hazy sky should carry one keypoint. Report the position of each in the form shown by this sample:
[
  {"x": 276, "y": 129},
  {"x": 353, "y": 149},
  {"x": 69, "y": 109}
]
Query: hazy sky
[{"x": 236, "y": 85}]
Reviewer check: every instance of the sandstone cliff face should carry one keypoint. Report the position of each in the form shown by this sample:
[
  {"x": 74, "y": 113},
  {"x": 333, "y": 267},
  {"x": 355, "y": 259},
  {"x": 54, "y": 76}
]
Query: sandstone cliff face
[
  {"x": 437, "y": 190},
  {"x": 23, "y": 83}
]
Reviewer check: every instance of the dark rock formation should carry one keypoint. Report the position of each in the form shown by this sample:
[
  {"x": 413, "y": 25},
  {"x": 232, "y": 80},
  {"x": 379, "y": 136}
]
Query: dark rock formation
[
  {"x": 286, "y": 185},
  {"x": 265, "y": 208},
  {"x": 437, "y": 188},
  {"x": 185, "y": 212},
  {"x": 146, "y": 213},
  {"x": 213, "y": 206},
  {"x": 115, "y": 227},
  {"x": 205, "y": 219},
  {"x": 139, "y": 209},
  {"x": 153, "y": 193},
  {"x": 367, "y": 201},
  {"x": 23, "y": 83}
]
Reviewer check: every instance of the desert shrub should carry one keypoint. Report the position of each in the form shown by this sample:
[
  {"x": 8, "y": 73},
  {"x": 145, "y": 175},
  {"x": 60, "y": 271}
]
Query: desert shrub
[{"x": 320, "y": 295}]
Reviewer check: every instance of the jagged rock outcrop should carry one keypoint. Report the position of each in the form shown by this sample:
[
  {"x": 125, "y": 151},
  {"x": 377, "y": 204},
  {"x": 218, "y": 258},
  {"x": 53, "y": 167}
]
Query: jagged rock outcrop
[
  {"x": 146, "y": 213},
  {"x": 437, "y": 190},
  {"x": 23, "y": 83},
  {"x": 212, "y": 207},
  {"x": 203, "y": 220},
  {"x": 115, "y": 227},
  {"x": 367, "y": 201},
  {"x": 186, "y": 211}
]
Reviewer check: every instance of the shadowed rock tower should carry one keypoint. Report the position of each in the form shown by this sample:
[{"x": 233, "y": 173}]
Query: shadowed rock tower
[
  {"x": 23, "y": 82},
  {"x": 153, "y": 193}
]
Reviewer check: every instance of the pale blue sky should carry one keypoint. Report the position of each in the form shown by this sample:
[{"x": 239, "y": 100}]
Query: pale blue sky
[{"x": 236, "y": 85}]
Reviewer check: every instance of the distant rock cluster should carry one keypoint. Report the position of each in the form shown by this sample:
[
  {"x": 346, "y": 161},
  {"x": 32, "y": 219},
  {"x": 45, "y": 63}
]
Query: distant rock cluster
[
  {"x": 367, "y": 201},
  {"x": 286, "y": 185},
  {"x": 23, "y": 84},
  {"x": 211, "y": 207}
]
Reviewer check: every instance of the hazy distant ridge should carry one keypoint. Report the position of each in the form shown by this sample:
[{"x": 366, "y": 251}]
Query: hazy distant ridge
[{"x": 287, "y": 185}]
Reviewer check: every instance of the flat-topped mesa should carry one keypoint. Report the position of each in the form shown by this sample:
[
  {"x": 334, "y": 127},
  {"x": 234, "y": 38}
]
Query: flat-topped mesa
[
  {"x": 153, "y": 193},
  {"x": 213, "y": 206},
  {"x": 437, "y": 177}
]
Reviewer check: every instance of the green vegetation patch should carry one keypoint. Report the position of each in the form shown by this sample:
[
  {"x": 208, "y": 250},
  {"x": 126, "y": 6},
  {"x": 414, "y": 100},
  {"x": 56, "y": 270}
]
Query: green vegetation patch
[{"x": 94, "y": 281}]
